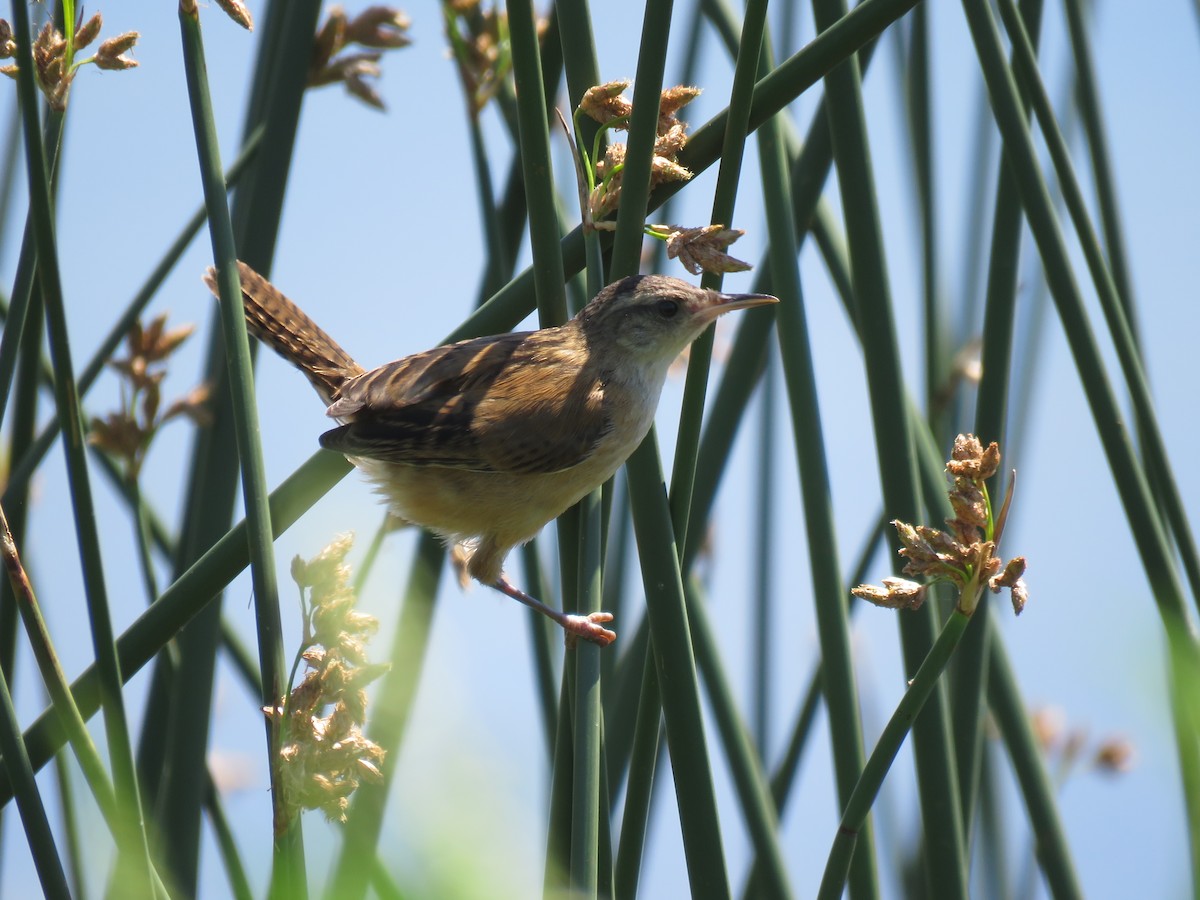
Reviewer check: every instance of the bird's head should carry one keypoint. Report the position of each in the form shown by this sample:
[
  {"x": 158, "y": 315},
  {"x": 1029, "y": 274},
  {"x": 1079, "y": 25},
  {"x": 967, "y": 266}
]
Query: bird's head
[{"x": 649, "y": 319}]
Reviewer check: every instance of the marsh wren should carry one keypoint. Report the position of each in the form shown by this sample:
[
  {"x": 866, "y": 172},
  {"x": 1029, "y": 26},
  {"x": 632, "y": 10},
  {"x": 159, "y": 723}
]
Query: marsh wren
[{"x": 485, "y": 441}]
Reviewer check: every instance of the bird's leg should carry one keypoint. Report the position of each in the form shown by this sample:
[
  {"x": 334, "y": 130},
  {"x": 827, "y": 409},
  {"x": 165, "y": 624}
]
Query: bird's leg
[{"x": 587, "y": 627}]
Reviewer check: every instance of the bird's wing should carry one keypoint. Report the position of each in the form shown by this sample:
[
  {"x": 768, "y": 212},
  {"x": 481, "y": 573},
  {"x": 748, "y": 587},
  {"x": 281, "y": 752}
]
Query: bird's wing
[{"x": 515, "y": 403}]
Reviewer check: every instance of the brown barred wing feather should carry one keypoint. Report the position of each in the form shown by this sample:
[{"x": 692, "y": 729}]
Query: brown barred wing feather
[{"x": 472, "y": 405}]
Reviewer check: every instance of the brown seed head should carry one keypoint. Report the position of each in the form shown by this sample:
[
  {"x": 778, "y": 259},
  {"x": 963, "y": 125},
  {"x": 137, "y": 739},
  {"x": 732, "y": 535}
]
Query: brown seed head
[
  {"x": 382, "y": 27},
  {"x": 237, "y": 11},
  {"x": 604, "y": 101},
  {"x": 88, "y": 32},
  {"x": 896, "y": 593},
  {"x": 703, "y": 249},
  {"x": 670, "y": 142},
  {"x": 330, "y": 39},
  {"x": 109, "y": 55},
  {"x": 672, "y": 100},
  {"x": 970, "y": 460}
]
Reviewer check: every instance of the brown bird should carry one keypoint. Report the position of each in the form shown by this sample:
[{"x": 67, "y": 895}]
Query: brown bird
[{"x": 487, "y": 440}]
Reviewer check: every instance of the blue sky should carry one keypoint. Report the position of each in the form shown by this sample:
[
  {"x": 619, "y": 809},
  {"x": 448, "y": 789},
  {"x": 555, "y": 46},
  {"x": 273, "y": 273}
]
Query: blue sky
[{"x": 380, "y": 245}]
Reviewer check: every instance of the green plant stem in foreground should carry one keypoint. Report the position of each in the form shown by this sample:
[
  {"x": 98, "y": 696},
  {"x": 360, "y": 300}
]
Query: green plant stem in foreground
[
  {"x": 29, "y": 801},
  {"x": 879, "y": 763},
  {"x": 288, "y": 877}
]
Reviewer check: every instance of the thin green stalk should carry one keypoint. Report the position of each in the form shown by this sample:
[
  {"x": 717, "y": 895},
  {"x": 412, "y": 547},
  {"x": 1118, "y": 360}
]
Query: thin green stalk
[
  {"x": 134, "y": 854},
  {"x": 231, "y": 858},
  {"x": 639, "y": 791},
  {"x": 535, "y": 161},
  {"x": 762, "y": 669},
  {"x": 24, "y": 414},
  {"x": 555, "y": 880},
  {"x": 994, "y": 859},
  {"x": 676, "y": 664},
  {"x": 63, "y": 704},
  {"x": 587, "y": 764},
  {"x": 1012, "y": 720},
  {"x": 18, "y": 310},
  {"x": 621, "y": 694},
  {"x": 371, "y": 556},
  {"x": 652, "y": 518},
  {"x": 492, "y": 236},
  {"x": 288, "y": 859},
  {"x": 1088, "y": 103},
  {"x": 579, "y": 56},
  {"x": 511, "y": 213},
  {"x": 68, "y": 811},
  {"x": 656, "y": 259},
  {"x": 920, "y": 126},
  {"x": 643, "y": 129},
  {"x": 213, "y": 479},
  {"x": 381, "y": 880},
  {"x": 617, "y": 547},
  {"x": 10, "y": 168},
  {"x": 586, "y": 768},
  {"x": 29, "y": 800},
  {"x": 753, "y": 790},
  {"x": 141, "y": 535},
  {"x": 878, "y": 765},
  {"x": 795, "y": 344},
  {"x": 746, "y": 70}
]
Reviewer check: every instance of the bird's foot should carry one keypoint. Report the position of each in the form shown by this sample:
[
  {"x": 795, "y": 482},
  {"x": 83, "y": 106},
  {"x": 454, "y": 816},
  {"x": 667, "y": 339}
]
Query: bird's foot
[{"x": 588, "y": 627}]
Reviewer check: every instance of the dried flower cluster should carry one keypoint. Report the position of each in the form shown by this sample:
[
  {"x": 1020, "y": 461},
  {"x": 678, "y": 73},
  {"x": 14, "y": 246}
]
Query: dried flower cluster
[
  {"x": 701, "y": 249},
  {"x": 1114, "y": 755},
  {"x": 324, "y": 757},
  {"x": 698, "y": 249},
  {"x": 128, "y": 432},
  {"x": 607, "y": 105},
  {"x": 378, "y": 28},
  {"x": 965, "y": 554},
  {"x": 54, "y": 56}
]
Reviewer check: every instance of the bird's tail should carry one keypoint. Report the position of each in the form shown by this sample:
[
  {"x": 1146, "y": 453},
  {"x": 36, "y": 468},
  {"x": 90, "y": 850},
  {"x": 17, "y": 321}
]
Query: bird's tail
[{"x": 280, "y": 324}]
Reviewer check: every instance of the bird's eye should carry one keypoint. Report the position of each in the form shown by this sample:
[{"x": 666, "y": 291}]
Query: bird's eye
[{"x": 667, "y": 308}]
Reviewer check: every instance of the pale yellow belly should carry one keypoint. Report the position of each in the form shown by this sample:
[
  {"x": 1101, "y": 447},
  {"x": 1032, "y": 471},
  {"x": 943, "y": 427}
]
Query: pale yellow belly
[{"x": 459, "y": 504}]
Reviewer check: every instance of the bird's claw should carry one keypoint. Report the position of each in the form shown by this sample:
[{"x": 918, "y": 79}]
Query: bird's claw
[{"x": 589, "y": 628}]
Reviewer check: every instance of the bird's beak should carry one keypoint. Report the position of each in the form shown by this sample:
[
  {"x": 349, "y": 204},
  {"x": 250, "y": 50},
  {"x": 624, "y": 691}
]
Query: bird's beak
[{"x": 719, "y": 304}]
